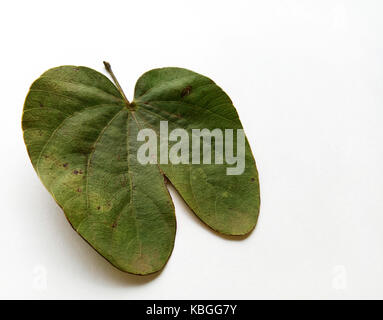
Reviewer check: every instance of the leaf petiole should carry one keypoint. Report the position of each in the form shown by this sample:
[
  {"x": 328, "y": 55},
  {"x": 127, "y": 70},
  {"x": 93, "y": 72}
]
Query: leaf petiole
[{"x": 108, "y": 68}]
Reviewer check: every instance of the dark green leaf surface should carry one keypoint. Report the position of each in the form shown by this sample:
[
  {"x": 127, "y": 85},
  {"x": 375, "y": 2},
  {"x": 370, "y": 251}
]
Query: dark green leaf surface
[{"x": 81, "y": 136}]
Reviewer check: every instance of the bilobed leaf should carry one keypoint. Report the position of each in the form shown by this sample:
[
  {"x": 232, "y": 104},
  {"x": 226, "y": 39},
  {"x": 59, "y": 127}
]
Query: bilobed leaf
[{"x": 81, "y": 135}]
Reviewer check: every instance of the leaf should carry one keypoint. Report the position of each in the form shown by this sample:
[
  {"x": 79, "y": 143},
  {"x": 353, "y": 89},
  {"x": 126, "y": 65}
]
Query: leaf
[{"x": 81, "y": 136}]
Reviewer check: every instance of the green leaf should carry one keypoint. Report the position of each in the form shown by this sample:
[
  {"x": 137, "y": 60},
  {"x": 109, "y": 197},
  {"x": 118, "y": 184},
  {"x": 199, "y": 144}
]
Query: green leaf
[{"x": 81, "y": 136}]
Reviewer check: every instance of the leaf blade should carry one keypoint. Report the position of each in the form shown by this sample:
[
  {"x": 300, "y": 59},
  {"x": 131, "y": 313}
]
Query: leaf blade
[
  {"x": 83, "y": 154},
  {"x": 160, "y": 95},
  {"x": 81, "y": 136}
]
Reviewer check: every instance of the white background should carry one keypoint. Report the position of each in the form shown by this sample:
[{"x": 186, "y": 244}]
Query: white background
[{"x": 307, "y": 80}]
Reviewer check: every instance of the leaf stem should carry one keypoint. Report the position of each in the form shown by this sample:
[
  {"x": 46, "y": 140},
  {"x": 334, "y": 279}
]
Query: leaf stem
[{"x": 109, "y": 69}]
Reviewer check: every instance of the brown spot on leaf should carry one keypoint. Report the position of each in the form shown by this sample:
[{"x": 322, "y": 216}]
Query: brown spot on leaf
[
  {"x": 79, "y": 190},
  {"x": 186, "y": 91},
  {"x": 252, "y": 179},
  {"x": 114, "y": 224},
  {"x": 75, "y": 172},
  {"x": 98, "y": 208},
  {"x": 65, "y": 165}
]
